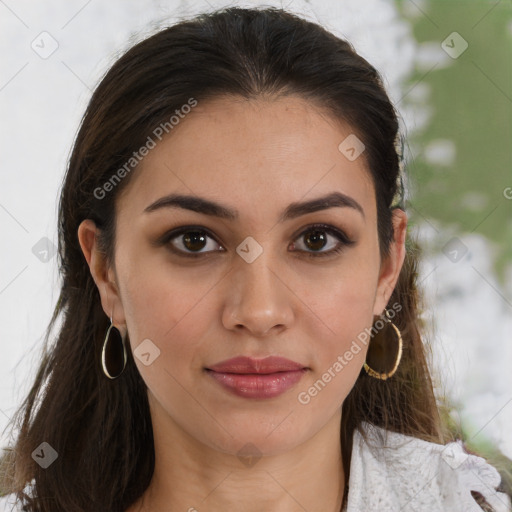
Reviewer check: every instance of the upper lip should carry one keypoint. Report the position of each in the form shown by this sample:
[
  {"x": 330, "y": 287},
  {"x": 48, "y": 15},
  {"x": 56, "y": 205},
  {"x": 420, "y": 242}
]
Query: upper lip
[{"x": 243, "y": 364}]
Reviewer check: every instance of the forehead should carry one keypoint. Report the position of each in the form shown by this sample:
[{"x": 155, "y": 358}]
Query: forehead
[{"x": 258, "y": 154}]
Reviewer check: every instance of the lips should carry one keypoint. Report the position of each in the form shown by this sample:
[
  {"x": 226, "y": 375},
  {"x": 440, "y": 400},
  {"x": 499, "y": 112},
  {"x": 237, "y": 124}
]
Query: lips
[
  {"x": 257, "y": 378},
  {"x": 243, "y": 365}
]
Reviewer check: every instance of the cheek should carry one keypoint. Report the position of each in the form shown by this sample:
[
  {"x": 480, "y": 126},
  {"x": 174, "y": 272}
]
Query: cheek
[
  {"x": 159, "y": 297},
  {"x": 340, "y": 354},
  {"x": 345, "y": 311},
  {"x": 345, "y": 297},
  {"x": 174, "y": 316},
  {"x": 171, "y": 310}
]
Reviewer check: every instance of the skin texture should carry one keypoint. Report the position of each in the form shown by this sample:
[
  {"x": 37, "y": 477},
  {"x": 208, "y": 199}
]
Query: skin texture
[{"x": 257, "y": 157}]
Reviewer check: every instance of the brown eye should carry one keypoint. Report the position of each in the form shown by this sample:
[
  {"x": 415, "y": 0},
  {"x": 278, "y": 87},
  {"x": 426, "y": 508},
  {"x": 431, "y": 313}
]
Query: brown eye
[
  {"x": 192, "y": 242},
  {"x": 316, "y": 238}
]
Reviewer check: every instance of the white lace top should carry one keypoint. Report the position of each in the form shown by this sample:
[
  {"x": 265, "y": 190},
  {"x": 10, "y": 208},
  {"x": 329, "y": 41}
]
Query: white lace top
[{"x": 391, "y": 472}]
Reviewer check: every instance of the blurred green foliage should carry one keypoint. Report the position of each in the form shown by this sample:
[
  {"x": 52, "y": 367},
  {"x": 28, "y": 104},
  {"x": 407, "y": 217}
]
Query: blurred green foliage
[{"x": 471, "y": 102}]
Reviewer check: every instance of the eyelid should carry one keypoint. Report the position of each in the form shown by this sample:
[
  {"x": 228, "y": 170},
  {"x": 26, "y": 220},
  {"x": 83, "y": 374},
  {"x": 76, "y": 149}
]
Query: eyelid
[
  {"x": 342, "y": 237},
  {"x": 328, "y": 228}
]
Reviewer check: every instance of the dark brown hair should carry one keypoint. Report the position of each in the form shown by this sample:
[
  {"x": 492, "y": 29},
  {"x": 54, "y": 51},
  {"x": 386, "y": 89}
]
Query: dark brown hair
[{"x": 101, "y": 429}]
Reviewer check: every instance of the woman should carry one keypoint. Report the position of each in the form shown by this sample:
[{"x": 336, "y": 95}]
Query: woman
[{"x": 240, "y": 323}]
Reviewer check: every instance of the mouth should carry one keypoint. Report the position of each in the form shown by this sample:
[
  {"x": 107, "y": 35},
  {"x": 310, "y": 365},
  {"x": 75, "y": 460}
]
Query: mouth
[{"x": 257, "y": 378}]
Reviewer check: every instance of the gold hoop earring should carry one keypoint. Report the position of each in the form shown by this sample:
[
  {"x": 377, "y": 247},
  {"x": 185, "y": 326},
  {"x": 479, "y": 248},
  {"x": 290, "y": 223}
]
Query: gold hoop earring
[
  {"x": 381, "y": 352},
  {"x": 111, "y": 352}
]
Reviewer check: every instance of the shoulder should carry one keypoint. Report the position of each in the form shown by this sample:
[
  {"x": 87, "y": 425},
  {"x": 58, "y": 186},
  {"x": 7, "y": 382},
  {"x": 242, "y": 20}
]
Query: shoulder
[
  {"x": 418, "y": 475},
  {"x": 8, "y": 504}
]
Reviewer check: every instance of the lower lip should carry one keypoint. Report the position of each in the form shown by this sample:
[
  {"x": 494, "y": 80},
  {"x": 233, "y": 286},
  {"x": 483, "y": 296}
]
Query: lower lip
[{"x": 253, "y": 385}]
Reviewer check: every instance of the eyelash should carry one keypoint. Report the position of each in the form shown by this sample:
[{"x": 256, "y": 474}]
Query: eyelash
[{"x": 342, "y": 237}]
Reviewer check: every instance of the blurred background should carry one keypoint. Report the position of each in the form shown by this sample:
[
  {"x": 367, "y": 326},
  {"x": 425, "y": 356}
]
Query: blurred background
[{"x": 447, "y": 66}]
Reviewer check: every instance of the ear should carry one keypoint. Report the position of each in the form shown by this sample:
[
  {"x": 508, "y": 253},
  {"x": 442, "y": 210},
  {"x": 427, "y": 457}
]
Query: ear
[
  {"x": 391, "y": 266},
  {"x": 103, "y": 275}
]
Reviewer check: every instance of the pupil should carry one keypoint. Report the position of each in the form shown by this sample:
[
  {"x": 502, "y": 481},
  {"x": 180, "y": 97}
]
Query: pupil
[
  {"x": 317, "y": 240},
  {"x": 193, "y": 238}
]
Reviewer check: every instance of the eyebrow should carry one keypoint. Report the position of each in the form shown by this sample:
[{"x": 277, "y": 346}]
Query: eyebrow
[{"x": 294, "y": 210}]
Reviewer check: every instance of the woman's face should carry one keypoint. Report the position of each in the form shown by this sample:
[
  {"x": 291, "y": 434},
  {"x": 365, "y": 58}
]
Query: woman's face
[{"x": 256, "y": 283}]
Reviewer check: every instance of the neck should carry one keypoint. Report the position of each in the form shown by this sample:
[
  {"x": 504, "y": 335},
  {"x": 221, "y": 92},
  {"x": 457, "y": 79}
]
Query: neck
[{"x": 190, "y": 476}]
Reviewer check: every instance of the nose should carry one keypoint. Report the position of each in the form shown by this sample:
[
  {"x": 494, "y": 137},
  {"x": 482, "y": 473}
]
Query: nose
[{"x": 258, "y": 299}]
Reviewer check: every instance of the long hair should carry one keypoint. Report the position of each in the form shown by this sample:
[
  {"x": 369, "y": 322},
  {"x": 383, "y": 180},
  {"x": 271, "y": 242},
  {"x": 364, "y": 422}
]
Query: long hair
[{"x": 101, "y": 429}]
